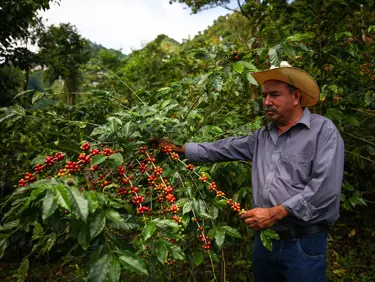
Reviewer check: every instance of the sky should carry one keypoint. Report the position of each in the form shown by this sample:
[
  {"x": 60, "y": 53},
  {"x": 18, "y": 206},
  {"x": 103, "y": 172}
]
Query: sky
[{"x": 130, "y": 24}]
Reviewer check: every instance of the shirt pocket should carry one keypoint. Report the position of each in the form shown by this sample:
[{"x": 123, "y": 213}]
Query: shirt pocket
[{"x": 296, "y": 167}]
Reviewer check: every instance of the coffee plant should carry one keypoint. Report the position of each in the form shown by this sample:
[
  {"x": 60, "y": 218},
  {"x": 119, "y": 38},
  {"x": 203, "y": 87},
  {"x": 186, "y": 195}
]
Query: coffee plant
[{"x": 130, "y": 212}]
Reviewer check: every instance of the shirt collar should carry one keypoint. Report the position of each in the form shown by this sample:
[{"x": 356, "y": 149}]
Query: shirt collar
[{"x": 304, "y": 119}]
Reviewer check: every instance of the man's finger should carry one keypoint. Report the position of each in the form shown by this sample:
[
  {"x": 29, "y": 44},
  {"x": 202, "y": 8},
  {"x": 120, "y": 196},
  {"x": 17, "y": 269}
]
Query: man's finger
[
  {"x": 250, "y": 221},
  {"x": 246, "y": 214}
]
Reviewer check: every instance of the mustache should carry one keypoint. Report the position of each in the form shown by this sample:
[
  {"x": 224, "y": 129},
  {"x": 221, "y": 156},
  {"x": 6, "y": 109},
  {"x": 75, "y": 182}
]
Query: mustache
[{"x": 272, "y": 109}]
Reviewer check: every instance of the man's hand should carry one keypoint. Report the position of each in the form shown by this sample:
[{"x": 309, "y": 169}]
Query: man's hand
[
  {"x": 162, "y": 142},
  {"x": 263, "y": 218}
]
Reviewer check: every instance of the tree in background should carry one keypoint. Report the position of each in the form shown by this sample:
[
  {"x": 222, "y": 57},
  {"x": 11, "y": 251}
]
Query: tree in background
[
  {"x": 16, "y": 19},
  {"x": 64, "y": 51}
]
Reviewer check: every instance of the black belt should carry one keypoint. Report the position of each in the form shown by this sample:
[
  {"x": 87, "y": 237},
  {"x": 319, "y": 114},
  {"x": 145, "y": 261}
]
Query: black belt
[{"x": 298, "y": 232}]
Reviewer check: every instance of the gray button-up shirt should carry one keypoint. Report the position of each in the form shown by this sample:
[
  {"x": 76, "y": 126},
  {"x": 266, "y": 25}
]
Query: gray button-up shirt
[{"x": 302, "y": 169}]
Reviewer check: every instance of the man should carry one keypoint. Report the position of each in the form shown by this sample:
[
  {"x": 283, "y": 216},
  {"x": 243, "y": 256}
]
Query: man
[{"x": 298, "y": 161}]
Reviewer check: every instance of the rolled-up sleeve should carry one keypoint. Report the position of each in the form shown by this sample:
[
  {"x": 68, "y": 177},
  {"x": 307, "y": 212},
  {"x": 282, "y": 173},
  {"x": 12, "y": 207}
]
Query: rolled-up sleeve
[
  {"x": 228, "y": 149},
  {"x": 324, "y": 187}
]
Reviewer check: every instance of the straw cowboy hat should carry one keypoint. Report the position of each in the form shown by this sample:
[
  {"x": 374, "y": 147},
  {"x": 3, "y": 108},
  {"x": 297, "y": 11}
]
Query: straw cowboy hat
[{"x": 294, "y": 76}]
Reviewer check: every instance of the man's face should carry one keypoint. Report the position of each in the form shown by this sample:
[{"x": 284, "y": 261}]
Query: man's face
[{"x": 279, "y": 103}]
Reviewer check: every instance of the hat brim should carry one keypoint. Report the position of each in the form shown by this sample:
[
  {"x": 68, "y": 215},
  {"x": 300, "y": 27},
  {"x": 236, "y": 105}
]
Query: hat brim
[{"x": 296, "y": 77}]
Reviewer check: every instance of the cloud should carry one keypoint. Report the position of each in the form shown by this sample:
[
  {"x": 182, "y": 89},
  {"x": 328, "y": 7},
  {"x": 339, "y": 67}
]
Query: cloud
[{"x": 129, "y": 24}]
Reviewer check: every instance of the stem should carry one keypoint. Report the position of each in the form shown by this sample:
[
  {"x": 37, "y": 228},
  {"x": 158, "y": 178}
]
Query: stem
[
  {"x": 224, "y": 266},
  {"x": 360, "y": 139},
  {"x": 124, "y": 84},
  {"x": 362, "y": 111},
  {"x": 114, "y": 100},
  {"x": 212, "y": 264},
  {"x": 65, "y": 120},
  {"x": 197, "y": 174},
  {"x": 358, "y": 155}
]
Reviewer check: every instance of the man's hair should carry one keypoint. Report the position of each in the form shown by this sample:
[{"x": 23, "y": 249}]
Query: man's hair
[{"x": 292, "y": 88}]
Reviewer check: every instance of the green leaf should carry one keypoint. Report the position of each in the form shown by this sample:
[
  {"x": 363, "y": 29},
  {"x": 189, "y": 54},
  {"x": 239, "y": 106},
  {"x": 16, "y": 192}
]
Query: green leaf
[
  {"x": 38, "y": 231},
  {"x": 50, "y": 242},
  {"x": 204, "y": 215},
  {"x": 148, "y": 230},
  {"x": 250, "y": 42},
  {"x": 214, "y": 212},
  {"x": 161, "y": 250},
  {"x": 266, "y": 241},
  {"x": 248, "y": 66},
  {"x": 37, "y": 160},
  {"x": 219, "y": 237},
  {"x": 356, "y": 199},
  {"x": 177, "y": 253},
  {"x": 98, "y": 159},
  {"x": 37, "y": 96},
  {"x": 127, "y": 129},
  {"x": 117, "y": 159},
  {"x": 114, "y": 123},
  {"x": 288, "y": 50},
  {"x": 274, "y": 57},
  {"x": 115, "y": 217},
  {"x": 198, "y": 205},
  {"x": 132, "y": 262},
  {"x": 301, "y": 36},
  {"x": 22, "y": 271},
  {"x": 99, "y": 270},
  {"x": 61, "y": 196},
  {"x": 221, "y": 203},
  {"x": 93, "y": 200},
  {"x": 114, "y": 271},
  {"x": 49, "y": 205},
  {"x": 3, "y": 245},
  {"x": 216, "y": 82},
  {"x": 338, "y": 35},
  {"x": 10, "y": 225},
  {"x": 167, "y": 223},
  {"x": 80, "y": 206},
  {"x": 212, "y": 232},
  {"x": 231, "y": 231},
  {"x": 84, "y": 236},
  {"x": 238, "y": 67},
  {"x": 119, "y": 204},
  {"x": 181, "y": 202},
  {"x": 165, "y": 103},
  {"x": 97, "y": 224},
  {"x": 198, "y": 258},
  {"x": 22, "y": 138},
  {"x": 119, "y": 221},
  {"x": 14, "y": 111},
  {"x": 185, "y": 220},
  {"x": 271, "y": 234},
  {"x": 187, "y": 207},
  {"x": 27, "y": 92}
]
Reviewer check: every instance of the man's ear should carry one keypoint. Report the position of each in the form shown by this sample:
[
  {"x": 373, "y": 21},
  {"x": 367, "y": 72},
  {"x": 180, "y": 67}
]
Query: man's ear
[{"x": 297, "y": 95}]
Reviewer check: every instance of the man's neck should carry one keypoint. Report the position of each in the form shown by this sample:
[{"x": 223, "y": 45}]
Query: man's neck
[{"x": 292, "y": 121}]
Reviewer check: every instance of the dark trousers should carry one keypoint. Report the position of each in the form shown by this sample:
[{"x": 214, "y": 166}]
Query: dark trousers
[{"x": 296, "y": 260}]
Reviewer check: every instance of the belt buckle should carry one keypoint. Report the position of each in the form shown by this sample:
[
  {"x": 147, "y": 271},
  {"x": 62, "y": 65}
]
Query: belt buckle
[
  {"x": 288, "y": 234},
  {"x": 293, "y": 233}
]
